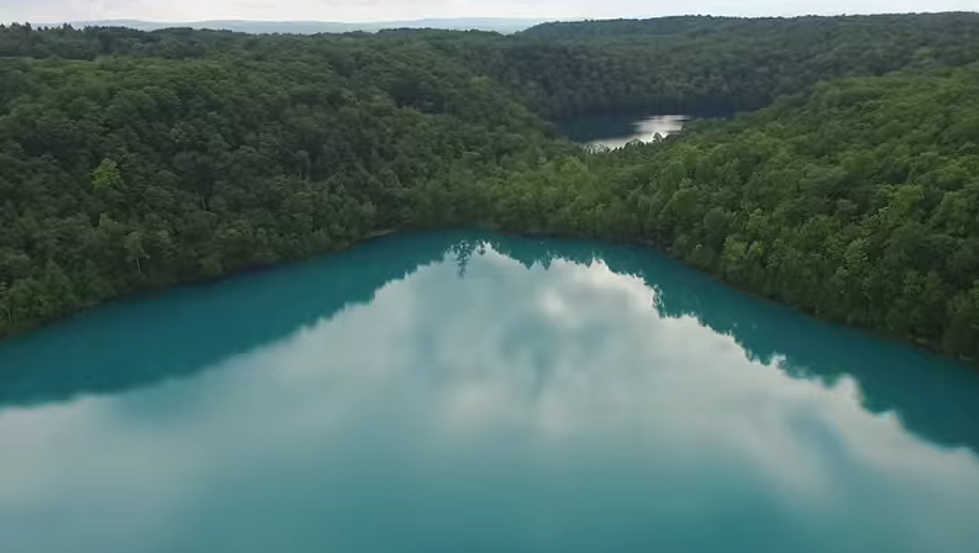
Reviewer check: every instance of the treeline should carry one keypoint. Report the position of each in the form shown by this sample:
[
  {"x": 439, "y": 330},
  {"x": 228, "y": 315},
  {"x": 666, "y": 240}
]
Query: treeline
[
  {"x": 709, "y": 65},
  {"x": 695, "y": 64},
  {"x": 132, "y": 161}
]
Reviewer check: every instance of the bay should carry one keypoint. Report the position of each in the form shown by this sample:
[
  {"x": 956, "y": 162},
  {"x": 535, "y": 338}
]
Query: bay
[{"x": 472, "y": 391}]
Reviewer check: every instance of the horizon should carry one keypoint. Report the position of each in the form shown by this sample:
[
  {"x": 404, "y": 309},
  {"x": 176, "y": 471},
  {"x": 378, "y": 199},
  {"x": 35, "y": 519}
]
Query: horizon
[
  {"x": 380, "y": 11},
  {"x": 503, "y": 18},
  {"x": 530, "y": 21}
]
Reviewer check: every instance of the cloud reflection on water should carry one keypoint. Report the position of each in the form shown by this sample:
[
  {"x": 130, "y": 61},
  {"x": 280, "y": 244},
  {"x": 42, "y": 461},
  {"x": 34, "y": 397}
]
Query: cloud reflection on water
[{"x": 508, "y": 373}]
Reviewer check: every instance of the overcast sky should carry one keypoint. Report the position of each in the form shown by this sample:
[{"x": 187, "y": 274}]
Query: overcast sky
[{"x": 374, "y": 10}]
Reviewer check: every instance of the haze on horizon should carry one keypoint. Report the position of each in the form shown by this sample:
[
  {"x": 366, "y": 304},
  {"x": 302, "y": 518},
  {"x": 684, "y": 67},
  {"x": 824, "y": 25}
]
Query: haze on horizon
[{"x": 48, "y": 11}]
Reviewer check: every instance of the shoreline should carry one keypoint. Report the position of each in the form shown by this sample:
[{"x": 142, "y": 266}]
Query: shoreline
[{"x": 648, "y": 244}]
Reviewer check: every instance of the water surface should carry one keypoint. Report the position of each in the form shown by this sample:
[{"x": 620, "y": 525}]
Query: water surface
[
  {"x": 614, "y": 131},
  {"x": 472, "y": 392}
]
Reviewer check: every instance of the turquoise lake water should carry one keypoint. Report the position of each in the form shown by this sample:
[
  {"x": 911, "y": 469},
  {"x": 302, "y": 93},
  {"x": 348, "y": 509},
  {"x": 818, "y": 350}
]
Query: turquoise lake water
[{"x": 467, "y": 391}]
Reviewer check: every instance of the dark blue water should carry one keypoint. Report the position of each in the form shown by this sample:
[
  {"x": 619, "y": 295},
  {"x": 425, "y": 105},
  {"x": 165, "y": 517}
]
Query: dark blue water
[{"x": 471, "y": 392}]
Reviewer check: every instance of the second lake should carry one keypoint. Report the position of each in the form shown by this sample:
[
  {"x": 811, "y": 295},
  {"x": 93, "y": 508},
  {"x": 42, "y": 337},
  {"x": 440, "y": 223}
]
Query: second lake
[{"x": 616, "y": 130}]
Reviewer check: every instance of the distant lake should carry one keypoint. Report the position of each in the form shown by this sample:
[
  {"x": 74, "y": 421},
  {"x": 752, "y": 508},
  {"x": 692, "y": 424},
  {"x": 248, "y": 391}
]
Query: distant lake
[
  {"x": 467, "y": 391},
  {"x": 615, "y": 131}
]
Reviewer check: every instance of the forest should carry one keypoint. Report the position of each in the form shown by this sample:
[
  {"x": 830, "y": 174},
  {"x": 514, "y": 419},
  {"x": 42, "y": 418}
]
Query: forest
[{"x": 847, "y": 186}]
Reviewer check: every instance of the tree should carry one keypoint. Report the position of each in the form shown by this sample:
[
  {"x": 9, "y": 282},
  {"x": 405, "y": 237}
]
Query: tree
[
  {"x": 135, "y": 253},
  {"x": 107, "y": 176},
  {"x": 5, "y": 302}
]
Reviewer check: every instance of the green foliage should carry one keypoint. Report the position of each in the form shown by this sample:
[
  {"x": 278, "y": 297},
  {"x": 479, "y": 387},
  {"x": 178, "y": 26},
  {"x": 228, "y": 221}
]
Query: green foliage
[
  {"x": 133, "y": 161},
  {"x": 107, "y": 176},
  {"x": 854, "y": 203},
  {"x": 710, "y": 65},
  {"x": 199, "y": 154}
]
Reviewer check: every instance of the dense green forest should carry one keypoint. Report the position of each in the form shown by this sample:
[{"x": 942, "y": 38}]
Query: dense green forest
[
  {"x": 132, "y": 161},
  {"x": 710, "y": 65},
  {"x": 124, "y": 174}
]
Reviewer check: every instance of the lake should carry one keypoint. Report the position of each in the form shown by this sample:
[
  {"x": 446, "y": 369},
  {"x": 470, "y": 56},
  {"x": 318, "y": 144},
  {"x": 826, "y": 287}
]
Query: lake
[
  {"x": 616, "y": 130},
  {"x": 467, "y": 391}
]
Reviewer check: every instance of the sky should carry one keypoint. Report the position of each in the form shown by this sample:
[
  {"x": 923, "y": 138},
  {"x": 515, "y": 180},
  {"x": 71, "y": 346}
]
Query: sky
[{"x": 41, "y": 11}]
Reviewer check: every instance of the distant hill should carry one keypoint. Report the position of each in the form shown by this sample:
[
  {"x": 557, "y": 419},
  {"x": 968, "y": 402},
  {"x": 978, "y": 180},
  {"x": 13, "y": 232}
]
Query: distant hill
[
  {"x": 693, "y": 26},
  {"x": 500, "y": 25}
]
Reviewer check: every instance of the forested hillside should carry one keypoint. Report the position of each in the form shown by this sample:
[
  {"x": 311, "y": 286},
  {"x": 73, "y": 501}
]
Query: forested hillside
[
  {"x": 711, "y": 65},
  {"x": 125, "y": 174},
  {"x": 858, "y": 203},
  {"x": 132, "y": 161}
]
